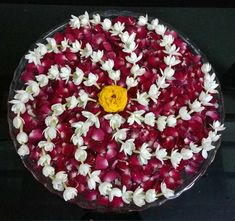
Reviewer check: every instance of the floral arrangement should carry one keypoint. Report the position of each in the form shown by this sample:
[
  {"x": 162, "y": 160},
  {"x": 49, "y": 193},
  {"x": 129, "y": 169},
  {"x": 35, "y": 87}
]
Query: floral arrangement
[{"x": 115, "y": 110}]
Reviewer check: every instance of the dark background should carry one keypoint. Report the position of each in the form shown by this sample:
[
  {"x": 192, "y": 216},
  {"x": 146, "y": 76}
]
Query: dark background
[{"x": 209, "y": 24}]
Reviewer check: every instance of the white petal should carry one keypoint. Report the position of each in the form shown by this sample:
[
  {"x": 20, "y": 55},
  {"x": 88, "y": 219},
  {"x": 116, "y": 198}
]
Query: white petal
[
  {"x": 206, "y": 68},
  {"x": 48, "y": 171},
  {"x": 105, "y": 188},
  {"x": 184, "y": 113},
  {"x": 168, "y": 193},
  {"x": 149, "y": 119},
  {"x": 23, "y": 150},
  {"x": 22, "y": 138},
  {"x": 150, "y": 195},
  {"x": 186, "y": 154},
  {"x": 70, "y": 193}
]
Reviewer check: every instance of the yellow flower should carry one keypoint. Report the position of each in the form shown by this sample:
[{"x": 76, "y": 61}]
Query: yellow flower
[{"x": 113, "y": 98}]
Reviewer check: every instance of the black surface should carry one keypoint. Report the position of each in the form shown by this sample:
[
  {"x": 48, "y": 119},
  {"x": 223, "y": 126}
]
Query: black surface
[{"x": 212, "y": 198}]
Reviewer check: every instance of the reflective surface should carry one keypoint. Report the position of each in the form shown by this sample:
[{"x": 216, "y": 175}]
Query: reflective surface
[{"x": 212, "y": 197}]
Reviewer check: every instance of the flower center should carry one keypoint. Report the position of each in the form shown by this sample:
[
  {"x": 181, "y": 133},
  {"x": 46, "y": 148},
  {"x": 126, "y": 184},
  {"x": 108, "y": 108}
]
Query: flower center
[{"x": 113, "y": 98}]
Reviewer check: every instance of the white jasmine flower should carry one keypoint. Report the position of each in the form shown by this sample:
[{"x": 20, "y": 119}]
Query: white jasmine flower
[
  {"x": 84, "y": 169},
  {"x": 114, "y": 75},
  {"x": 168, "y": 73},
  {"x": 217, "y": 126},
  {"x": 81, "y": 128},
  {"x": 23, "y": 150},
  {"x": 161, "y": 154},
  {"x": 126, "y": 195},
  {"x": 42, "y": 80},
  {"x": 18, "y": 106},
  {"x": 153, "y": 93},
  {"x": 91, "y": 80},
  {"x": 96, "y": 19},
  {"x": 78, "y": 76},
  {"x": 52, "y": 45},
  {"x": 129, "y": 48},
  {"x": 42, "y": 49},
  {"x": 80, "y": 154},
  {"x": 168, "y": 193},
  {"x": 139, "y": 197},
  {"x": 194, "y": 147},
  {"x": 114, "y": 192},
  {"x": 115, "y": 120},
  {"x": 205, "y": 98},
  {"x": 186, "y": 154},
  {"x": 58, "y": 185},
  {"x": 76, "y": 46},
  {"x": 70, "y": 193},
  {"x": 153, "y": 24},
  {"x": 209, "y": 83},
  {"x": 23, "y": 96},
  {"x": 161, "y": 123},
  {"x": 94, "y": 178},
  {"x": 131, "y": 82},
  {"x": 136, "y": 116},
  {"x": 53, "y": 72},
  {"x": 44, "y": 160},
  {"x": 172, "y": 50},
  {"x": 18, "y": 122},
  {"x": 46, "y": 145},
  {"x": 128, "y": 146},
  {"x": 143, "y": 20},
  {"x": 65, "y": 73},
  {"x": 50, "y": 133},
  {"x": 214, "y": 136},
  {"x": 97, "y": 56},
  {"x": 48, "y": 170},
  {"x": 92, "y": 118},
  {"x": 74, "y": 22},
  {"x": 133, "y": 58},
  {"x": 51, "y": 121},
  {"x": 105, "y": 188},
  {"x": 60, "y": 178},
  {"x": 117, "y": 28},
  {"x": 64, "y": 44},
  {"x": 126, "y": 38},
  {"x": 77, "y": 139},
  {"x": 206, "y": 146},
  {"x": 150, "y": 195},
  {"x": 161, "y": 82},
  {"x": 176, "y": 157},
  {"x": 137, "y": 71},
  {"x": 142, "y": 98},
  {"x": 160, "y": 29},
  {"x": 34, "y": 57},
  {"x": 167, "y": 40},
  {"x": 149, "y": 119},
  {"x": 184, "y": 114},
  {"x": 120, "y": 134},
  {"x": 22, "y": 138},
  {"x": 206, "y": 67},
  {"x": 87, "y": 51},
  {"x": 106, "y": 24},
  {"x": 72, "y": 102},
  {"x": 108, "y": 65},
  {"x": 145, "y": 154},
  {"x": 84, "y": 19},
  {"x": 33, "y": 88},
  {"x": 196, "y": 106},
  {"x": 171, "y": 60},
  {"x": 58, "y": 109},
  {"x": 171, "y": 121}
]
